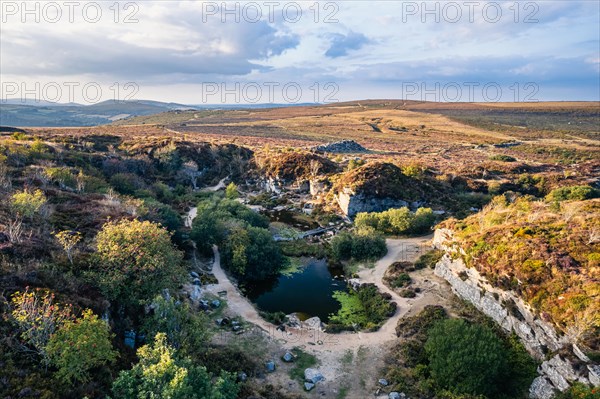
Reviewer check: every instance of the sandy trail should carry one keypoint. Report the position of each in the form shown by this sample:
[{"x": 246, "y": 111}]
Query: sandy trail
[{"x": 405, "y": 249}]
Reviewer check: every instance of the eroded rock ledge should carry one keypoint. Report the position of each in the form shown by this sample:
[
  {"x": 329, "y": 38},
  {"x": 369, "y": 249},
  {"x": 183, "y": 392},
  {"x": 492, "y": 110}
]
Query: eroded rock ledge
[{"x": 540, "y": 338}]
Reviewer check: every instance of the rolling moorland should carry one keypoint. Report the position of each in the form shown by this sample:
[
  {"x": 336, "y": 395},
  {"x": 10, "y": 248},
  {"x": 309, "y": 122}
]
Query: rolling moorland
[{"x": 378, "y": 248}]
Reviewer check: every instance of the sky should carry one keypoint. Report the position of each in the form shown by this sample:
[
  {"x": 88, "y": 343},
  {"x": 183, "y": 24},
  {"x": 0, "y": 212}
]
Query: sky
[{"x": 194, "y": 52}]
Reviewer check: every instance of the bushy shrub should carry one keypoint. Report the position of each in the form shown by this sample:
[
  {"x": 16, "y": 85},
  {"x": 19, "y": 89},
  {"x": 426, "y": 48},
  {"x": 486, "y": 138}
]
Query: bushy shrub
[
  {"x": 465, "y": 358},
  {"x": 160, "y": 373},
  {"x": 502, "y": 158},
  {"x": 38, "y": 316},
  {"x": 136, "y": 260},
  {"x": 571, "y": 193},
  {"x": 251, "y": 253},
  {"x": 26, "y": 203},
  {"x": 186, "y": 329},
  {"x": 397, "y": 221},
  {"x": 360, "y": 247},
  {"x": 79, "y": 346},
  {"x": 429, "y": 259},
  {"x": 126, "y": 183}
]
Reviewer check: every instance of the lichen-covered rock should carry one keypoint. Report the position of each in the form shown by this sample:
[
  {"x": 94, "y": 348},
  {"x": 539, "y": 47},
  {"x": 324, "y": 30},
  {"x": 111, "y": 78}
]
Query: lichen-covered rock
[{"x": 541, "y": 389}]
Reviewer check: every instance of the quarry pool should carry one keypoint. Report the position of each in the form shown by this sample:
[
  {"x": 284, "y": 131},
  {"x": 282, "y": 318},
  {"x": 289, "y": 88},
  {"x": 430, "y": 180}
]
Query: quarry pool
[{"x": 307, "y": 292}]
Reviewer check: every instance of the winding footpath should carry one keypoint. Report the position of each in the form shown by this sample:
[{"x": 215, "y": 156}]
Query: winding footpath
[{"x": 397, "y": 249}]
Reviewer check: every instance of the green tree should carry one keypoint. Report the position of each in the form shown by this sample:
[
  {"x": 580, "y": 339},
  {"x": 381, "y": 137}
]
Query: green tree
[
  {"x": 80, "y": 346},
  {"x": 465, "y": 358},
  {"x": 251, "y": 252},
  {"x": 424, "y": 219},
  {"x": 136, "y": 261},
  {"x": 231, "y": 192},
  {"x": 400, "y": 220},
  {"x": 161, "y": 374},
  {"x": 185, "y": 329}
]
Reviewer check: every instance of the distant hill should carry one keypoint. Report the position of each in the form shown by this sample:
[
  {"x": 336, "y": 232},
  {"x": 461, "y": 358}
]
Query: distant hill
[{"x": 28, "y": 113}]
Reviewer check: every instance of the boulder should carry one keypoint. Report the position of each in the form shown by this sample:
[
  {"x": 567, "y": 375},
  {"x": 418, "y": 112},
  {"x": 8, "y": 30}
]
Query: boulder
[
  {"x": 314, "y": 323},
  {"x": 383, "y": 382},
  {"x": 288, "y": 357},
  {"x": 215, "y": 304},
  {"x": 194, "y": 275},
  {"x": 197, "y": 281},
  {"x": 394, "y": 395},
  {"x": 195, "y": 293},
  {"x": 242, "y": 376},
  {"x": 270, "y": 365},
  {"x": 541, "y": 388},
  {"x": 313, "y": 375},
  {"x": 308, "y": 386}
]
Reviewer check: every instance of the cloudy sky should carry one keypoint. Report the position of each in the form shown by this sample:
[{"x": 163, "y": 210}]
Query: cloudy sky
[{"x": 304, "y": 51}]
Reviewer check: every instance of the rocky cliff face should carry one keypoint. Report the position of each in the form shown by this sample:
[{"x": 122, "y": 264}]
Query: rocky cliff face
[
  {"x": 540, "y": 338},
  {"x": 352, "y": 203}
]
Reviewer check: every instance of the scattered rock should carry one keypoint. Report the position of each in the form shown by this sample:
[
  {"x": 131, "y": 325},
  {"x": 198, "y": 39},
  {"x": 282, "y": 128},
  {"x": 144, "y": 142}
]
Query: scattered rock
[
  {"x": 195, "y": 293},
  {"x": 308, "y": 386},
  {"x": 313, "y": 375},
  {"x": 288, "y": 357},
  {"x": 270, "y": 365},
  {"x": 242, "y": 376},
  {"x": 222, "y": 322}
]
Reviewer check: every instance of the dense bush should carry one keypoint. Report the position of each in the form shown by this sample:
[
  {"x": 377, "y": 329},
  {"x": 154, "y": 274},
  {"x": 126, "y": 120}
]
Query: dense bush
[
  {"x": 429, "y": 259},
  {"x": 251, "y": 253},
  {"x": 571, "y": 193},
  {"x": 454, "y": 343},
  {"x": 465, "y": 358},
  {"x": 80, "y": 346},
  {"x": 397, "y": 221},
  {"x": 27, "y": 203},
  {"x": 185, "y": 329},
  {"x": 360, "y": 247},
  {"x": 160, "y": 373},
  {"x": 502, "y": 158},
  {"x": 135, "y": 261},
  {"x": 126, "y": 183}
]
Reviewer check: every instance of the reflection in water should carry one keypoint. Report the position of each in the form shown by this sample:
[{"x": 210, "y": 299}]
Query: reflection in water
[{"x": 308, "y": 291}]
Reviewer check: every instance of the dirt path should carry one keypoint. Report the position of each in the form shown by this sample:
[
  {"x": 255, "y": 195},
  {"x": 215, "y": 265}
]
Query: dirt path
[{"x": 397, "y": 249}]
